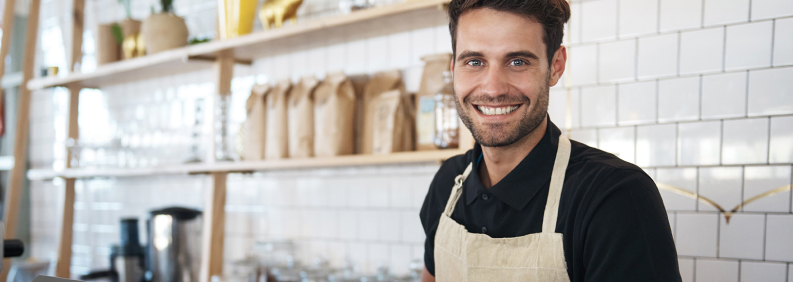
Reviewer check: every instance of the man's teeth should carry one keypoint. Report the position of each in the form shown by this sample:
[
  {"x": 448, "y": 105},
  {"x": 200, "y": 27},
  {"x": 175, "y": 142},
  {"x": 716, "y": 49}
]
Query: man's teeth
[{"x": 496, "y": 111}]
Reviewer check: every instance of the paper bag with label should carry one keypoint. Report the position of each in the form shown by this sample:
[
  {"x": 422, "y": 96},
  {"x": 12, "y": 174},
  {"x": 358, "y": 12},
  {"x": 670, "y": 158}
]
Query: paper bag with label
[
  {"x": 334, "y": 114},
  {"x": 392, "y": 130},
  {"x": 432, "y": 81},
  {"x": 276, "y": 145},
  {"x": 301, "y": 118},
  {"x": 380, "y": 83},
  {"x": 254, "y": 127}
]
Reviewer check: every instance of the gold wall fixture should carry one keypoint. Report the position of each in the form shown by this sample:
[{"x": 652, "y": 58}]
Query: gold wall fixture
[
  {"x": 727, "y": 214},
  {"x": 275, "y": 12}
]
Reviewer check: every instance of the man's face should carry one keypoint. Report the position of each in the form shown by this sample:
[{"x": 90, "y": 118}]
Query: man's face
[{"x": 501, "y": 75}]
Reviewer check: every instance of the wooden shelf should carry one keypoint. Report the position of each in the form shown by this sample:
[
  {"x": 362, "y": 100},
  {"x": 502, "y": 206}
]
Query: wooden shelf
[
  {"x": 246, "y": 48},
  {"x": 243, "y": 167}
]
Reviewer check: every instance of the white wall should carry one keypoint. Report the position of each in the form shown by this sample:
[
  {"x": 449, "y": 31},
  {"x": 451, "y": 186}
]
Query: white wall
[{"x": 696, "y": 92}]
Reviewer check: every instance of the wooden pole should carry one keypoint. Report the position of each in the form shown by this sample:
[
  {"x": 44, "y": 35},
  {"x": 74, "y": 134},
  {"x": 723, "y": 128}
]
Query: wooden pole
[
  {"x": 8, "y": 31},
  {"x": 14, "y": 192},
  {"x": 214, "y": 227},
  {"x": 5, "y": 45},
  {"x": 63, "y": 266},
  {"x": 215, "y": 207}
]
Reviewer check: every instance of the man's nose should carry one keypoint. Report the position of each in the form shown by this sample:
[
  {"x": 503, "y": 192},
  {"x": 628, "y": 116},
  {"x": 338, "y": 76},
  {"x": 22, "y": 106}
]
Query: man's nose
[{"x": 495, "y": 81}]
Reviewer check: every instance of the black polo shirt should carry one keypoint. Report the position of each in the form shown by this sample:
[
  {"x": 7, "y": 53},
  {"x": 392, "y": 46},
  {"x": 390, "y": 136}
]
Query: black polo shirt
[{"x": 613, "y": 221}]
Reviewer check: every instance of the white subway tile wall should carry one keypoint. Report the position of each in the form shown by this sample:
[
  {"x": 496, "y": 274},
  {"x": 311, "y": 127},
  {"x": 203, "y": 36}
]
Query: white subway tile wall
[
  {"x": 638, "y": 17},
  {"x": 708, "y": 270},
  {"x": 702, "y": 51},
  {"x": 698, "y": 93}
]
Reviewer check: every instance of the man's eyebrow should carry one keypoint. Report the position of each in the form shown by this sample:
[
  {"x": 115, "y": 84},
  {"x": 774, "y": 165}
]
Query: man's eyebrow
[
  {"x": 526, "y": 54},
  {"x": 468, "y": 54}
]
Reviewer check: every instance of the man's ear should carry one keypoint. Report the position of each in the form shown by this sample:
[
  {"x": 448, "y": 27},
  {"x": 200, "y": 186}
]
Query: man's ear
[
  {"x": 451, "y": 64},
  {"x": 557, "y": 65}
]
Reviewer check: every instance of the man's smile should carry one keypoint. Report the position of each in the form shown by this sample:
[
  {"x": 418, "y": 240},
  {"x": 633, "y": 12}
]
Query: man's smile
[{"x": 496, "y": 110}]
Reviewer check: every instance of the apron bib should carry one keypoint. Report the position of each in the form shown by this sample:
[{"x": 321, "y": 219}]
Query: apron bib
[{"x": 463, "y": 256}]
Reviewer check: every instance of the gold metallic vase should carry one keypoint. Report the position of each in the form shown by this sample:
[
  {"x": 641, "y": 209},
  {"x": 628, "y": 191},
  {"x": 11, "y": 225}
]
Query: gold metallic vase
[{"x": 235, "y": 17}]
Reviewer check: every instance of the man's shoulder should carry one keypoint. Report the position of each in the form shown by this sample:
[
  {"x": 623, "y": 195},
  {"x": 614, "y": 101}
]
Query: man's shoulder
[{"x": 597, "y": 165}]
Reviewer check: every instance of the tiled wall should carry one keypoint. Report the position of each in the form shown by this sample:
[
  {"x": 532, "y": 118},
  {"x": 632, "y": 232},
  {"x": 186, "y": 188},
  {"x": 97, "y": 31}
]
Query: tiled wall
[{"x": 696, "y": 92}]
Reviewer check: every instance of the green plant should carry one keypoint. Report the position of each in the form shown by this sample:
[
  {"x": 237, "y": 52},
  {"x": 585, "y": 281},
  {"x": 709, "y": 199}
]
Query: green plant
[
  {"x": 118, "y": 35},
  {"x": 167, "y": 6},
  {"x": 127, "y": 7}
]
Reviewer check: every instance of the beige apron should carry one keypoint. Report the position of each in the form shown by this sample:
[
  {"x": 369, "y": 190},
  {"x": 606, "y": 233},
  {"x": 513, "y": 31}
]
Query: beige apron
[{"x": 463, "y": 256}]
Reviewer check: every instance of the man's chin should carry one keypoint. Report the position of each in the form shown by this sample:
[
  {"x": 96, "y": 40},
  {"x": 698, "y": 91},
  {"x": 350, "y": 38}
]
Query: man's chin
[{"x": 489, "y": 138}]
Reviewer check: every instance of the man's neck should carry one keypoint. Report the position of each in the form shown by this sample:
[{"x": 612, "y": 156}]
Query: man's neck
[{"x": 499, "y": 161}]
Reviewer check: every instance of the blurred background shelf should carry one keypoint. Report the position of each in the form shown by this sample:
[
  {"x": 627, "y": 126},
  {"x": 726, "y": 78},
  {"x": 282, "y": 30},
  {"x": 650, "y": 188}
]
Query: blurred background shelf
[
  {"x": 436, "y": 156},
  {"x": 246, "y": 47}
]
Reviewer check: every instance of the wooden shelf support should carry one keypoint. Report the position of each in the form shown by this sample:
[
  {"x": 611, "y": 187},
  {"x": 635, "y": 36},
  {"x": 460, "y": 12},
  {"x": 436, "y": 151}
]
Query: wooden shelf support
[
  {"x": 11, "y": 194},
  {"x": 63, "y": 266},
  {"x": 214, "y": 227}
]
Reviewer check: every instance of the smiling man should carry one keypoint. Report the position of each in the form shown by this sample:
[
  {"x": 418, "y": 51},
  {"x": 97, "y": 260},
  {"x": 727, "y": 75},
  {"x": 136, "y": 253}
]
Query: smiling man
[{"x": 527, "y": 204}]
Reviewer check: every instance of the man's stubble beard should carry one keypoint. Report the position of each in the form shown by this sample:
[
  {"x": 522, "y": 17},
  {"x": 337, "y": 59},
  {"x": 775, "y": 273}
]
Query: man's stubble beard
[{"x": 498, "y": 137}]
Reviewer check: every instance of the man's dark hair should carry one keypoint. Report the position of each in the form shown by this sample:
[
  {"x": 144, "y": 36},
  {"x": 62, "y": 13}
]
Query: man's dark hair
[{"x": 552, "y": 14}]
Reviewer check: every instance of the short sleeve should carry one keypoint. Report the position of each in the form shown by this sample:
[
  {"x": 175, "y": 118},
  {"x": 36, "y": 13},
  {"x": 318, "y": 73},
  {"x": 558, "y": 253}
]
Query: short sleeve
[{"x": 628, "y": 237}]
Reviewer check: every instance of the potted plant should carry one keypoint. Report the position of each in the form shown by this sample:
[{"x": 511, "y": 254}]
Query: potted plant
[{"x": 164, "y": 30}]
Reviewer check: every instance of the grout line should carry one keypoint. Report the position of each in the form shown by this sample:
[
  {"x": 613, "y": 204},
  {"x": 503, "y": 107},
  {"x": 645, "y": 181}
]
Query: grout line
[
  {"x": 721, "y": 142},
  {"x": 768, "y": 143},
  {"x": 739, "y": 270},
  {"x": 701, "y": 80},
  {"x": 773, "y": 41},
  {"x": 694, "y": 273},
  {"x": 636, "y": 60},
  {"x": 677, "y": 144},
  {"x": 657, "y": 101},
  {"x": 765, "y": 233},
  {"x": 750, "y": 11},
  {"x": 718, "y": 234},
  {"x": 679, "y": 51},
  {"x": 724, "y": 50},
  {"x": 658, "y": 17},
  {"x": 746, "y": 96},
  {"x": 696, "y": 189},
  {"x": 617, "y": 29},
  {"x": 702, "y": 14},
  {"x": 597, "y": 63}
]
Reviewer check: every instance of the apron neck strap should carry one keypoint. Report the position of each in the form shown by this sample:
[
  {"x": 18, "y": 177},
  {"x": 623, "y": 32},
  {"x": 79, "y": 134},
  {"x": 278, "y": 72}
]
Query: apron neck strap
[
  {"x": 457, "y": 190},
  {"x": 555, "y": 189},
  {"x": 554, "y": 192}
]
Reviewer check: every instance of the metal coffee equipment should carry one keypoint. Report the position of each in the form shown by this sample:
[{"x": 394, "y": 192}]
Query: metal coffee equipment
[
  {"x": 174, "y": 245},
  {"x": 126, "y": 259}
]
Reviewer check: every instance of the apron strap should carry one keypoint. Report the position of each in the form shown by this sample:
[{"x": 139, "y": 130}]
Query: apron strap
[
  {"x": 555, "y": 190},
  {"x": 457, "y": 190}
]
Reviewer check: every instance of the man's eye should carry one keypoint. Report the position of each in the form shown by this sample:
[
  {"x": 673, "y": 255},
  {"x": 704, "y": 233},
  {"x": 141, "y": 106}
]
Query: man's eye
[
  {"x": 475, "y": 63},
  {"x": 518, "y": 63}
]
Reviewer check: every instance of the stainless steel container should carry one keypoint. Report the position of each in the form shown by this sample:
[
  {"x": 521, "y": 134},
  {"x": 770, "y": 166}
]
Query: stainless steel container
[{"x": 174, "y": 245}]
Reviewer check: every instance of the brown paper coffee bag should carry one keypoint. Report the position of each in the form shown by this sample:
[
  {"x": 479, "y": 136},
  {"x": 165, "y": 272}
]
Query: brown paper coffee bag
[
  {"x": 276, "y": 145},
  {"x": 301, "y": 118},
  {"x": 432, "y": 81},
  {"x": 254, "y": 126},
  {"x": 380, "y": 83},
  {"x": 334, "y": 114},
  {"x": 358, "y": 83},
  {"x": 389, "y": 123}
]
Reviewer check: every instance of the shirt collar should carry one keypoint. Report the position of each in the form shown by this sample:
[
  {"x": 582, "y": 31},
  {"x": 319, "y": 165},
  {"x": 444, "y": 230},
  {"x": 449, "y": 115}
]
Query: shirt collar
[{"x": 525, "y": 180}]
